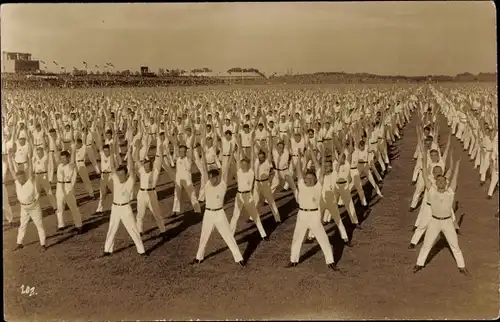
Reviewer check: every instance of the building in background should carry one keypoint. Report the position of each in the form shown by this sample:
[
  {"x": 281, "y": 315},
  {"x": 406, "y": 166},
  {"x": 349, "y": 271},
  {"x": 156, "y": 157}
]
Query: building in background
[{"x": 19, "y": 63}]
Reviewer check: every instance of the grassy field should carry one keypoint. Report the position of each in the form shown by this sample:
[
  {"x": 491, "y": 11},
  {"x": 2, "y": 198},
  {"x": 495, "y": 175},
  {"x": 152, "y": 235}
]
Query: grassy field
[{"x": 375, "y": 282}]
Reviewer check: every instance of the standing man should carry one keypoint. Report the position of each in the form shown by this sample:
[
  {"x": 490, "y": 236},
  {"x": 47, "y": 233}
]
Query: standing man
[
  {"x": 214, "y": 216},
  {"x": 121, "y": 211}
]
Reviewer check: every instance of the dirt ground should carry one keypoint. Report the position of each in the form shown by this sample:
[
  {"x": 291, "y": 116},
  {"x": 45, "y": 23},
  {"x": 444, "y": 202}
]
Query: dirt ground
[{"x": 376, "y": 281}]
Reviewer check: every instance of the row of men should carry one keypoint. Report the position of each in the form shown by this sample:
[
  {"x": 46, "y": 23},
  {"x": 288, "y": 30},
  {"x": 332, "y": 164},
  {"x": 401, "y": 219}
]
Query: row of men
[
  {"x": 278, "y": 160},
  {"x": 437, "y": 179}
]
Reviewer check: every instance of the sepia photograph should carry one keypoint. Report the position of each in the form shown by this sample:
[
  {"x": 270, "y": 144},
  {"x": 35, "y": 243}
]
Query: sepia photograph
[{"x": 250, "y": 161}]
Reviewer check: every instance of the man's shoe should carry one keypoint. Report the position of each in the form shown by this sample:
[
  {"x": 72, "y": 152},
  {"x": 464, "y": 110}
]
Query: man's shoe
[
  {"x": 412, "y": 209},
  {"x": 242, "y": 263},
  {"x": 411, "y": 246},
  {"x": 18, "y": 247},
  {"x": 105, "y": 254},
  {"x": 145, "y": 254},
  {"x": 79, "y": 230},
  {"x": 43, "y": 248},
  {"x": 458, "y": 231},
  {"x": 464, "y": 271},
  {"x": 333, "y": 266},
  {"x": 358, "y": 226},
  {"x": 196, "y": 261},
  {"x": 291, "y": 264},
  {"x": 417, "y": 268},
  {"x": 60, "y": 228},
  {"x": 265, "y": 238},
  {"x": 278, "y": 223},
  {"x": 309, "y": 240}
]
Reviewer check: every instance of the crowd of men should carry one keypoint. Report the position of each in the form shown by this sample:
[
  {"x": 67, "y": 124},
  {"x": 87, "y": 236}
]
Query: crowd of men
[{"x": 320, "y": 145}]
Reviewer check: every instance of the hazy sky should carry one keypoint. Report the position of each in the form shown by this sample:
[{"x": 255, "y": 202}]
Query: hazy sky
[{"x": 410, "y": 38}]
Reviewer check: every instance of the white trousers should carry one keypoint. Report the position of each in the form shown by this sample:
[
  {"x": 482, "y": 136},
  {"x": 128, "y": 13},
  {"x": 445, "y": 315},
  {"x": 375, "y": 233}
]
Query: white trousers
[
  {"x": 245, "y": 202},
  {"x": 262, "y": 191},
  {"x": 33, "y": 212},
  {"x": 187, "y": 185},
  {"x": 329, "y": 206},
  {"x": 434, "y": 228},
  {"x": 122, "y": 214},
  {"x": 217, "y": 219},
  {"x": 68, "y": 198},
  {"x": 84, "y": 174},
  {"x": 7, "y": 210},
  {"x": 42, "y": 183},
  {"x": 149, "y": 199},
  {"x": 346, "y": 198},
  {"x": 310, "y": 220},
  {"x": 419, "y": 189}
]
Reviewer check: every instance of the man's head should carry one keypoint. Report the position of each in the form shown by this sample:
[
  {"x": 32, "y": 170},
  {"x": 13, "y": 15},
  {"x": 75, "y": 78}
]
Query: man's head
[
  {"x": 437, "y": 171},
  {"x": 182, "y": 150},
  {"x": 281, "y": 146},
  {"x": 65, "y": 157},
  {"x": 147, "y": 166},
  {"x": 39, "y": 151},
  {"x": 109, "y": 134},
  {"x": 310, "y": 178},
  {"x": 21, "y": 176},
  {"x": 214, "y": 177},
  {"x": 328, "y": 166},
  {"x": 228, "y": 134},
  {"x": 434, "y": 154},
  {"x": 441, "y": 182},
  {"x": 262, "y": 156},
  {"x": 122, "y": 173},
  {"x": 52, "y": 133},
  {"x": 260, "y": 126},
  {"x": 245, "y": 164},
  {"x": 246, "y": 128},
  {"x": 105, "y": 150}
]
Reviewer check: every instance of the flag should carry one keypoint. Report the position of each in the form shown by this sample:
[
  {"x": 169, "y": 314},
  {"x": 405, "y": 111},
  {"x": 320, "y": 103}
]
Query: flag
[
  {"x": 42, "y": 62},
  {"x": 55, "y": 63},
  {"x": 85, "y": 63}
]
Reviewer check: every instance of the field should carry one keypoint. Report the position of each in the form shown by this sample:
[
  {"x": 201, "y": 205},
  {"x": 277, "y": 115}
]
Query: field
[{"x": 376, "y": 281}]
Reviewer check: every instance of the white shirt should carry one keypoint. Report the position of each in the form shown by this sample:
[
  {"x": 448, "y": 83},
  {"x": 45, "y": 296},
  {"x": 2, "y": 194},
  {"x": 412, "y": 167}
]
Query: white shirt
[
  {"x": 148, "y": 180},
  {"x": 281, "y": 161},
  {"x": 122, "y": 192},
  {"x": 214, "y": 195},
  {"x": 40, "y": 164},
  {"x": 66, "y": 175},
  {"x": 309, "y": 196},
  {"x": 245, "y": 180},
  {"x": 262, "y": 170},
  {"x": 38, "y": 138},
  {"x": 329, "y": 182},
  {"x": 22, "y": 151},
  {"x": 27, "y": 193},
  {"x": 183, "y": 166},
  {"x": 246, "y": 139},
  {"x": 105, "y": 163},
  {"x": 211, "y": 155},
  {"x": 441, "y": 202},
  {"x": 80, "y": 155},
  {"x": 226, "y": 146},
  {"x": 297, "y": 147}
]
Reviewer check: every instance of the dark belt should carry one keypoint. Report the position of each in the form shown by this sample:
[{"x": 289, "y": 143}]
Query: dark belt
[
  {"x": 226, "y": 155},
  {"x": 66, "y": 141},
  {"x": 39, "y": 144},
  {"x": 150, "y": 189},
  {"x": 440, "y": 218},
  {"x": 248, "y": 191},
  {"x": 21, "y": 162},
  {"x": 37, "y": 173},
  {"x": 341, "y": 182},
  {"x": 362, "y": 162},
  {"x": 374, "y": 142},
  {"x": 158, "y": 156},
  {"x": 295, "y": 155},
  {"x": 105, "y": 172},
  {"x": 210, "y": 209},
  {"x": 327, "y": 139},
  {"x": 88, "y": 144},
  {"x": 302, "y": 209},
  {"x": 246, "y": 146},
  {"x": 120, "y": 204},
  {"x": 63, "y": 181},
  {"x": 27, "y": 204},
  {"x": 211, "y": 163},
  {"x": 52, "y": 151},
  {"x": 283, "y": 131},
  {"x": 429, "y": 203},
  {"x": 80, "y": 160},
  {"x": 354, "y": 168},
  {"x": 262, "y": 180},
  {"x": 282, "y": 169}
]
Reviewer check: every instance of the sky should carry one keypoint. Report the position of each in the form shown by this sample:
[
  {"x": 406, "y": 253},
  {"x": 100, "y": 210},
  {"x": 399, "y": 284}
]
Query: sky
[{"x": 385, "y": 38}]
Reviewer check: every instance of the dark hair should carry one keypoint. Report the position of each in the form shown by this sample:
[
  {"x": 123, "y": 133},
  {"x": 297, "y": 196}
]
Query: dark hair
[
  {"x": 213, "y": 173},
  {"x": 162, "y": 133},
  {"x": 310, "y": 131},
  {"x": 105, "y": 146},
  {"x": 311, "y": 172},
  {"x": 262, "y": 152},
  {"x": 122, "y": 168},
  {"x": 79, "y": 140},
  {"x": 228, "y": 132},
  {"x": 260, "y": 124},
  {"x": 109, "y": 132},
  {"x": 65, "y": 154},
  {"x": 433, "y": 151},
  {"x": 183, "y": 146},
  {"x": 52, "y": 131},
  {"x": 427, "y": 128},
  {"x": 245, "y": 159},
  {"x": 246, "y": 126}
]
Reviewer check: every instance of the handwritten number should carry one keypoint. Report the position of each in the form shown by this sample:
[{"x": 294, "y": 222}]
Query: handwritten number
[{"x": 27, "y": 290}]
